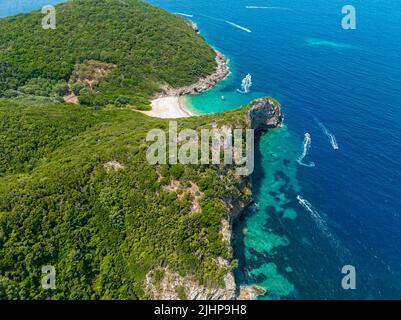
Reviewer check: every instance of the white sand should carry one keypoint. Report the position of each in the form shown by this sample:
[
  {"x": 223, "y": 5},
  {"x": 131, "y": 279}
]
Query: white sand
[{"x": 168, "y": 108}]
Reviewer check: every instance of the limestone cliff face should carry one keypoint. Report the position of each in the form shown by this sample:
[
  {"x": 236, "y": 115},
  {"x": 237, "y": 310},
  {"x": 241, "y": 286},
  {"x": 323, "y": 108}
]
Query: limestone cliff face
[
  {"x": 265, "y": 114},
  {"x": 221, "y": 73},
  {"x": 173, "y": 286}
]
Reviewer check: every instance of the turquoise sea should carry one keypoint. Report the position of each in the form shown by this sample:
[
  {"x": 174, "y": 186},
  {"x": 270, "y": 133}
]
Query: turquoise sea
[{"x": 337, "y": 85}]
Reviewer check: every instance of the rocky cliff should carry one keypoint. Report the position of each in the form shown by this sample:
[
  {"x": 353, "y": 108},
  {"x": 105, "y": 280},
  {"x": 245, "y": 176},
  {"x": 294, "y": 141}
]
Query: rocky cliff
[
  {"x": 263, "y": 114},
  {"x": 222, "y": 72},
  {"x": 163, "y": 284}
]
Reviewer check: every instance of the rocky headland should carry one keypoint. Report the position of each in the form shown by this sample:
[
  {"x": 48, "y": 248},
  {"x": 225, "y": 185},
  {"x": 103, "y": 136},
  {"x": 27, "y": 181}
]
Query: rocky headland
[
  {"x": 221, "y": 73},
  {"x": 262, "y": 115}
]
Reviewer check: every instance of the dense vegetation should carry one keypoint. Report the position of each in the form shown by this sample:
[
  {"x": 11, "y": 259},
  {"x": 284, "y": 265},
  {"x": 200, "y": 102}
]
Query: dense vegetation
[
  {"x": 102, "y": 229},
  {"x": 76, "y": 191},
  {"x": 133, "y": 46}
]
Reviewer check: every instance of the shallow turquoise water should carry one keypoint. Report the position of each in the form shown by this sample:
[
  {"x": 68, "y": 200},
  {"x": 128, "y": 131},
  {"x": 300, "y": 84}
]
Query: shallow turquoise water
[
  {"x": 258, "y": 233},
  {"x": 212, "y": 100}
]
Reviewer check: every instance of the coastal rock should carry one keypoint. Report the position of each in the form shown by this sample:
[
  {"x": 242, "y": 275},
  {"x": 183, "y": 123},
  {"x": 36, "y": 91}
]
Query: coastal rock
[
  {"x": 265, "y": 114},
  {"x": 203, "y": 84},
  {"x": 193, "y": 25},
  {"x": 163, "y": 284},
  {"x": 250, "y": 292}
]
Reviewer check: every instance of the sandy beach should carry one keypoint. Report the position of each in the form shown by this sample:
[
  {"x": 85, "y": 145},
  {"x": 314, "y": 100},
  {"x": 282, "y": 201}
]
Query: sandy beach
[
  {"x": 170, "y": 105},
  {"x": 168, "y": 108}
]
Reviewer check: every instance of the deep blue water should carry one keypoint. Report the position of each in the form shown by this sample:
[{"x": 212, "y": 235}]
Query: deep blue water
[{"x": 351, "y": 81}]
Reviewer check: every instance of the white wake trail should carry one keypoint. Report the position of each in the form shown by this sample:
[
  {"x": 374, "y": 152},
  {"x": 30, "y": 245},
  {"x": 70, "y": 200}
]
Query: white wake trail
[
  {"x": 342, "y": 252},
  {"x": 246, "y": 84},
  {"x": 272, "y": 8},
  {"x": 228, "y": 22},
  {"x": 306, "y": 146},
  {"x": 330, "y": 136},
  {"x": 238, "y": 26},
  {"x": 313, "y": 212},
  {"x": 320, "y": 222},
  {"x": 184, "y": 14}
]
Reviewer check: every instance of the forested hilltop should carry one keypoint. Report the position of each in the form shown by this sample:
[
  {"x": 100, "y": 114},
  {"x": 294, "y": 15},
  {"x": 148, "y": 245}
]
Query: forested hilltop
[{"x": 104, "y": 51}]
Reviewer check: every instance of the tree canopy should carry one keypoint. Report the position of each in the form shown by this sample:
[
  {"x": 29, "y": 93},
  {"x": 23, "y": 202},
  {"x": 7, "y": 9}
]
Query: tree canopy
[
  {"x": 103, "y": 229},
  {"x": 146, "y": 45}
]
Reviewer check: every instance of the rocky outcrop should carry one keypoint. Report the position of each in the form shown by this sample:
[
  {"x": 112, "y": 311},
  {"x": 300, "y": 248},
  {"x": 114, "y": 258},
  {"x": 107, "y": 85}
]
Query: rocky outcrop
[
  {"x": 235, "y": 206},
  {"x": 193, "y": 25},
  {"x": 265, "y": 114},
  {"x": 163, "y": 284},
  {"x": 250, "y": 292},
  {"x": 113, "y": 165},
  {"x": 203, "y": 84}
]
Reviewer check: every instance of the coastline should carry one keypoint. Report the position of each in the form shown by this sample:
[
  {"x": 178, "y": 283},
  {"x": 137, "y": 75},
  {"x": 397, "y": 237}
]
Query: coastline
[
  {"x": 169, "y": 104},
  {"x": 262, "y": 115},
  {"x": 170, "y": 107}
]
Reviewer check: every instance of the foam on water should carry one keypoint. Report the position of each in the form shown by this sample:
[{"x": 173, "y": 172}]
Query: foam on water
[
  {"x": 314, "y": 214},
  {"x": 238, "y": 26},
  {"x": 306, "y": 147},
  {"x": 228, "y": 22},
  {"x": 184, "y": 14},
  {"x": 330, "y": 136},
  {"x": 323, "y": 226},
  {"x": 312, "y": 42},
  {"x": 246, "y": 84}
]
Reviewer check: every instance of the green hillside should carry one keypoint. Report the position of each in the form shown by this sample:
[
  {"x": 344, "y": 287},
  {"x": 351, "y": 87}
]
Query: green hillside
[
  {"x": 105, "y": 51},
  {"x": 103, "y": 229},
  {"x": 76, "y": 190}
]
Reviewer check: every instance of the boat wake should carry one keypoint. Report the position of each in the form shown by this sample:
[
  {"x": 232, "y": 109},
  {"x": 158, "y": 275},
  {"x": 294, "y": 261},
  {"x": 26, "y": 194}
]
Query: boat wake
[
  {"x": 307, "y": 144},
  {"x": 238, "y": 26},
  {"x": 321, "y": 224},
  {"x": 314, "y": 214},
  {"x": 184, "y": 14},
  {"x": 246, "y": 84},
  {"x": 228, "y": 22},
  {"x": 272, "y": 8},
  {"x": 332, "y": 138}
]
